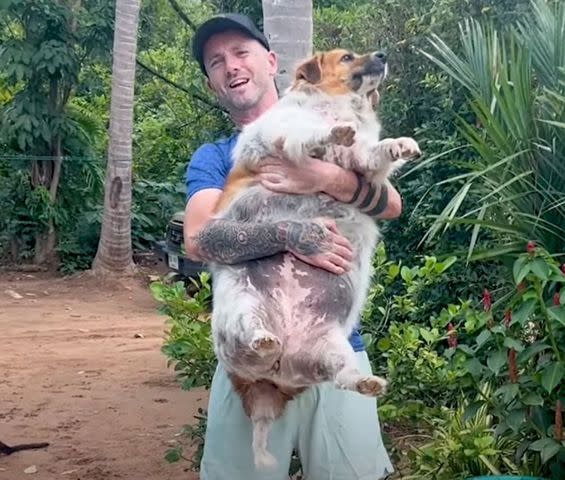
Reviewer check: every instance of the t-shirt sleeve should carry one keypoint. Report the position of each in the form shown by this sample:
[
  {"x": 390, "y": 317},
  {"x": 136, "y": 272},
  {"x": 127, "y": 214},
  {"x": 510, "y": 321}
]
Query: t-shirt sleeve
[{"x": 207, "y": 169}]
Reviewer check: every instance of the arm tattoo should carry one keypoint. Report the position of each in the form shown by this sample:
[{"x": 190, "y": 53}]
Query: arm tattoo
[
  {"x": 231, "y": 242},
  {"x": 368, "y": 198}
]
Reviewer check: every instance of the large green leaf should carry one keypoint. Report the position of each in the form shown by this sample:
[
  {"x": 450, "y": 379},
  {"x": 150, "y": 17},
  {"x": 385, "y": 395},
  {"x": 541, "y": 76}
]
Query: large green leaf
[{"x": 552, "y": 375}]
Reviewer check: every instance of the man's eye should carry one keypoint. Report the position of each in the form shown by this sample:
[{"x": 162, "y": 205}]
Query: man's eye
[
  {"x": 242, "y": 53},
  {"x": 347, "y": 58},
  {"x": 214, "y": 63}
]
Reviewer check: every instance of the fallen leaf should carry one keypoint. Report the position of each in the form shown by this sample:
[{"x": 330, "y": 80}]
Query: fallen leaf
[
  {"x": 68, "y": 472},
  {"x": 32, "y": 469},
  {"x": 138, "y": 335},
  {"x": 15, "y": 295}
]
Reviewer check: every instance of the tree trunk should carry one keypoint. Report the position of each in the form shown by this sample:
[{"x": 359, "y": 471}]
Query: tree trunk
[
  {"x": 288, "y": 27},
  {"x": 114, "y": 253}
]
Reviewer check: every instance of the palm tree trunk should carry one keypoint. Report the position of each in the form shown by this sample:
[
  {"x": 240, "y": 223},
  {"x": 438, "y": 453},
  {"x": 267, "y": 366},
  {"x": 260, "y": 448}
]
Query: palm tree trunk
[
  {"x": 288, "y": 27},
  {"x": 115, "y": 248}
]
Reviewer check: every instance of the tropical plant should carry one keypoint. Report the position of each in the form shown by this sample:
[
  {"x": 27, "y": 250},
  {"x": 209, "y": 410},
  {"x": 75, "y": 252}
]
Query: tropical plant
[
  {"x": 464, "y": 446},
  {"x": 519, "y": 350},
  {"x": 515, "y": 86},
  {"x": 44, "y": 46},
  {"x": 188, "y": 344}
]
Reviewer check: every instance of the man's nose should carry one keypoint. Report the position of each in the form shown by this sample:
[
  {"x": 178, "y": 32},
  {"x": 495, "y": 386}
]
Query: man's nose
[
  {"x": 232, "y": 64},
  {"x": 380, "y": 56}
]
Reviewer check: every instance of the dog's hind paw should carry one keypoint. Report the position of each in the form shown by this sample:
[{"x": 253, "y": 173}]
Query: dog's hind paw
[
  {"x": 265, "y": 343},
  {"x": 342, "y": 135},
  {"x": 372, "y": 386}
]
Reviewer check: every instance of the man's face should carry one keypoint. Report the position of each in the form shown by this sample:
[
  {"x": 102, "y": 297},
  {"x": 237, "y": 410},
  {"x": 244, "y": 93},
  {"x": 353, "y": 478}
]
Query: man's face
[{"x": 240, "y": 70}]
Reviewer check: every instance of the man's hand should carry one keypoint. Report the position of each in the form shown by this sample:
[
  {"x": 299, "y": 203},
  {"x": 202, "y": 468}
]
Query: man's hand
[
  {"x": 315, "y": 176},
  {"x": 285, "y": 177},
  {"x": 319, "y": 243}
]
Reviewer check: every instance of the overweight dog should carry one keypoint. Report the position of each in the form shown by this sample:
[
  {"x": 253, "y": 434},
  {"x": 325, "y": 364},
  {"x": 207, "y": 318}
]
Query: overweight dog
[{"x": 279, "y": 324}]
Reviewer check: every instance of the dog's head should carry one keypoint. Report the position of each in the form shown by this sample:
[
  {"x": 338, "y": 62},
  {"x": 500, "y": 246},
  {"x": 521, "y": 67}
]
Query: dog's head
[{"x": 339, "y": 72}]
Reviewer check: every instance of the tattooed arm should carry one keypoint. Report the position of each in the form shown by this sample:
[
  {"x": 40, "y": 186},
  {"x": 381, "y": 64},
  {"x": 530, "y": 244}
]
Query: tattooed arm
[
  {"x": 206, "y": 239},
  {"x": 234, "y": 242}
]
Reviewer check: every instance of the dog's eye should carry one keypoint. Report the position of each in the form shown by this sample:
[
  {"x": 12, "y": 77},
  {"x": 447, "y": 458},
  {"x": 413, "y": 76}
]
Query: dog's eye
[{"x": 347, "y": 58}]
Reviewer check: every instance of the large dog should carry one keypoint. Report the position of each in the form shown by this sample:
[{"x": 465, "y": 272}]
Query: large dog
[{"x": 280, "y": 324}]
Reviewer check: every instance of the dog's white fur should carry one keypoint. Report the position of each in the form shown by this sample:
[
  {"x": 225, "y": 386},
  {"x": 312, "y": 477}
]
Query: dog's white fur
[{"x": 271, "y": 332}]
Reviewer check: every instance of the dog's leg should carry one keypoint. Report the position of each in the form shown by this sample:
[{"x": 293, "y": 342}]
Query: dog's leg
[
  {"x": 332, "y": 359},
  {"x": 263, "y": 403},
  {"x": 313, "y": 141},
  {"x": 242, "y": 336}
]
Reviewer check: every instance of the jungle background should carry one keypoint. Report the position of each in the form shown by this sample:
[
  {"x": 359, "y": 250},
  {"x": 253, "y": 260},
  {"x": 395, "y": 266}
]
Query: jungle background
[{"x": 465, "y": 315}]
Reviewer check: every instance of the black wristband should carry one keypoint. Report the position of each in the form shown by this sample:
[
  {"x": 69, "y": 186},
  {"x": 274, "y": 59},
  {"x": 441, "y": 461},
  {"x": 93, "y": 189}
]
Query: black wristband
[
  {"x": 381, "y": 204},
  {"x": 359, "y": 188}
]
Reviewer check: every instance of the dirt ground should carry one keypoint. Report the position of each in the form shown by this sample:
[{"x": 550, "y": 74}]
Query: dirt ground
[{"x": 73, "y": 373}]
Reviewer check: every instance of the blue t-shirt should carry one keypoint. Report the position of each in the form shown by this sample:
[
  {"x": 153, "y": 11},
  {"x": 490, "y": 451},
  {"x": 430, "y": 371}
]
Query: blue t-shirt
[{"x": 209, "y": 168}]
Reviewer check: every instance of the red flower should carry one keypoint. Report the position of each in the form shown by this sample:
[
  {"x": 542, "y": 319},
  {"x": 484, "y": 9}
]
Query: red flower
[
  {"x": 521, "y": 287},
  {"x": 563, "y": 268},
  {"x": 512, "y": 367},
  {"x": 556, "y": 300},
  {"x": 487, "y": 300},
  {"x": 531, "y": 247},
  {"x": 507, "y": 317},
  {"x": 451, "y": 336}
]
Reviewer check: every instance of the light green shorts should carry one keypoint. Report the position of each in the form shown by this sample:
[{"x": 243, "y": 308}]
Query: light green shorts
[{"x": 335, "y": 432}]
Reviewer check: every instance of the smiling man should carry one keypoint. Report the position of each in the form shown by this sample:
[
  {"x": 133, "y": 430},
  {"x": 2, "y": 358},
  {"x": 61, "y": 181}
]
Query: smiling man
[{"x": 335, "y": 432}]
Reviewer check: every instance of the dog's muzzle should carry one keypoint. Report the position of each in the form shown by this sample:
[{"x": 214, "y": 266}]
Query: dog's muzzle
[{"x": 376, "y": 65}]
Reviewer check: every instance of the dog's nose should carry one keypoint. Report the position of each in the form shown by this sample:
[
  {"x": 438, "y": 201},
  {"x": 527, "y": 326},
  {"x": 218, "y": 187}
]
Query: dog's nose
[{"x": 381, "y": 56}]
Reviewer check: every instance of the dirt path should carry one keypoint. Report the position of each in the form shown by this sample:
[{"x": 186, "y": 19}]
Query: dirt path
[{"x": 72, "y": 374}]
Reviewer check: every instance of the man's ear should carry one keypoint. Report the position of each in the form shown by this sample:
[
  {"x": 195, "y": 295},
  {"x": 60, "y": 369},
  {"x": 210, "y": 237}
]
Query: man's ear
[
  {"x": 273, "y": 63},
  {"x": 310, "y": 71}
]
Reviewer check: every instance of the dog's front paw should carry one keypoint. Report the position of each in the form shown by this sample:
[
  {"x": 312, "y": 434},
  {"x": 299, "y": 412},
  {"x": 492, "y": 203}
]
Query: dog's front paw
[
  {"x": 372, "y": 386},
  {"x": 265, "y": 343},
  {"x": 343, "y": 135},
  {"x": 404, "y": 148}
]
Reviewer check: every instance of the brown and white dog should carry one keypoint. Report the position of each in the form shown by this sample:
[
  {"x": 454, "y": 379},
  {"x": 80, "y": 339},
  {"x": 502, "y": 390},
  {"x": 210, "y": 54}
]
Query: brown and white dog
[{"x": 280, "y": 325}]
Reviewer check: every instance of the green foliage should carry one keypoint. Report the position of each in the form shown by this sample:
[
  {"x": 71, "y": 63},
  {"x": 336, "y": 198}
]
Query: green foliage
[
  {"x": 522, "y": 357},
  {"x": 515, "y": 87},
  {"x": 194, "y": 436},
  {"x": 153, "y": 205},
  {"x": 464, "y": 446},
  {"x": 188, "y": 344}
]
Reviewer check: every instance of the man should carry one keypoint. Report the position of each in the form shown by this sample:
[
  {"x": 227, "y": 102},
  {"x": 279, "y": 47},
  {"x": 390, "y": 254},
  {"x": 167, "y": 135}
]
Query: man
[{"x": 336, "y": 432}]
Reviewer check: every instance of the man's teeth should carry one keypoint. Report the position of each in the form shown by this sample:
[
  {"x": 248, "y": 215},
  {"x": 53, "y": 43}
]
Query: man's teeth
[{"x": 238, "y": 83}]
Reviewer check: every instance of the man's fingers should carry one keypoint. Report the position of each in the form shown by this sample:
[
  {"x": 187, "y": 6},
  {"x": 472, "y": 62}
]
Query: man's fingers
[
  {"x": 332, "y": 267},
  {"x": 271, "y": 167},
  {"x": 343, "y": 252},
  {"x": 341, "y": 241},
  {"x": 270, "y": 178},
  {"x": 338, "y": 261}
]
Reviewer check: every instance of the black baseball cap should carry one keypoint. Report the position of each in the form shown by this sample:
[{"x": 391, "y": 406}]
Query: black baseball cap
[{"x": 221, "y": 23}]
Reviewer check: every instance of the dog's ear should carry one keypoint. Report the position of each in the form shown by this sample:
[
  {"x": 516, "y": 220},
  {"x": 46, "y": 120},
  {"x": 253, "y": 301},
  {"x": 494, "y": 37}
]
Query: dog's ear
[{"x": 310, "y": 71}]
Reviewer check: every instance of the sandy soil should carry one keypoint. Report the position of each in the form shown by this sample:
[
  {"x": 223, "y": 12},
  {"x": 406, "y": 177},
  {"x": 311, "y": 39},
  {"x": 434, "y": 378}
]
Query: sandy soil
[{"x": 73, "y": 374}]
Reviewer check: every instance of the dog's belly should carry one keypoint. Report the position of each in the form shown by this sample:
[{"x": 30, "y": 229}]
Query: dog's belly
[{"x": 299, "y": 300}]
